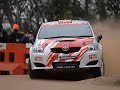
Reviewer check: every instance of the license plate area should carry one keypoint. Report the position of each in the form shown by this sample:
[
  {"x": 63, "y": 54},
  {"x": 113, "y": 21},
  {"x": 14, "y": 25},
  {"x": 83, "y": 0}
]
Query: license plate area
[
  {"x": 64, "y": 65},
  {"x": 66, "y": 57}
]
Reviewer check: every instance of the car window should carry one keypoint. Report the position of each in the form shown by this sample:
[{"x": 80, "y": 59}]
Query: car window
[{"x": 65, "y": 31}]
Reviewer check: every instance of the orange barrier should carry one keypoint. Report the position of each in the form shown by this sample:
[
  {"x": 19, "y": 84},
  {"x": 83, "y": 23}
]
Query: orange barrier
[{"x": 13, "y": 58}]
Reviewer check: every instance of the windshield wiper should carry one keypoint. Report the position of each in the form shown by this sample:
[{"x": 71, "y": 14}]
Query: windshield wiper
[
  {"x": 66, "y": 37},
  {"x": 59, "y": 37},
  {"x": 84, "y": 36}
]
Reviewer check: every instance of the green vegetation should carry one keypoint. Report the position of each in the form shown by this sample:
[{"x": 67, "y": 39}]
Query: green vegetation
[{"x": 31, "y": 13}]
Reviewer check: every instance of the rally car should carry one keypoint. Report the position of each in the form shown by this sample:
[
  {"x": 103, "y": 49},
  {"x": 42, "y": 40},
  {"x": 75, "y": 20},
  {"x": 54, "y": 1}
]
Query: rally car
[{"x": 66, "y": 45}]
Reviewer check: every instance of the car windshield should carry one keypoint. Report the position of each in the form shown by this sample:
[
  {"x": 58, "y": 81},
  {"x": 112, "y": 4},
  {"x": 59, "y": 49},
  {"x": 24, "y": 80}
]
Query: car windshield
[{"x": 69, "y": 31}]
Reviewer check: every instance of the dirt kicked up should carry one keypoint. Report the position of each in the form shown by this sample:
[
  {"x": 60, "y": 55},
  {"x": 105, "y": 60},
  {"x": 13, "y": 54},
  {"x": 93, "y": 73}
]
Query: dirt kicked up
[{"x": 111, "y": 46}]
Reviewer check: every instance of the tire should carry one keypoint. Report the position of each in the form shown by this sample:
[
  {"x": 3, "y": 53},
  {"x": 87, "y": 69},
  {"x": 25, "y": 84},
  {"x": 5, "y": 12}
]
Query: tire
[
  {"x": 96, "y": 72},
  {"x": 35, "y": 73},
  {"x": 102, "y": 68},
  {"x": 32, "y": 73},
  {"x": 99, "y": 71}
]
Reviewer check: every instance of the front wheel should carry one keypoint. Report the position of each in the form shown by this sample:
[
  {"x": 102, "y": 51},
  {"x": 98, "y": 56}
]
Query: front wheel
[
  {"x": 32, "y": 73},
  {"x": 97, "y": 72},
  {"x": 35, "y": 73}
]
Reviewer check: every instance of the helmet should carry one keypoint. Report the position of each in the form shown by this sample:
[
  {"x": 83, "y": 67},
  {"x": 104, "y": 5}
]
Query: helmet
[{"x": 15, "y": 26}]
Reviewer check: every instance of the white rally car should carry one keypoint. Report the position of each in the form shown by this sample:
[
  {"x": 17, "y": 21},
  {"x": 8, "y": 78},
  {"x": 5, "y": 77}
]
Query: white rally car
[{"x": 66, "y": 45}]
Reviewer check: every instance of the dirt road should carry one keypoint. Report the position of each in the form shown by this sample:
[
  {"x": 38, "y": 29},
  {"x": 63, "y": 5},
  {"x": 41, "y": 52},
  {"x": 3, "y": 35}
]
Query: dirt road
[
  {"x": 111, "y": 80},
  {"x": 24, "y": 83}
]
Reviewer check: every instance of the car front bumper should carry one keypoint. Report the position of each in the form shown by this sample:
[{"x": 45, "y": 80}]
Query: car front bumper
[{"x": 88, "y": 60}]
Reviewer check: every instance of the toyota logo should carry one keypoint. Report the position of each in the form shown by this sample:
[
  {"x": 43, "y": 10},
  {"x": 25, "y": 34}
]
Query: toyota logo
[{"x": 65, "y": 48}]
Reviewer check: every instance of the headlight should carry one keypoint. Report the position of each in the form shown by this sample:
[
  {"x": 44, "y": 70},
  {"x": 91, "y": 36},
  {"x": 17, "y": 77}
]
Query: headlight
[
  {"x": 37, "y": 50},
  {"x": 94, "y": 47}
]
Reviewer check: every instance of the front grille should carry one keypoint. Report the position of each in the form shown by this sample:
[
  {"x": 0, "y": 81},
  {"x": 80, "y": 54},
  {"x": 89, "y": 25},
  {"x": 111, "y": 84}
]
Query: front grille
[
  {"x": 60, "y": 50},
  {"x": 66, "y": 64}
]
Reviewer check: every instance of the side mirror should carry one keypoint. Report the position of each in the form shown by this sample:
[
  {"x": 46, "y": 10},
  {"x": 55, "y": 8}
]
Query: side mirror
[{"x": 99, "y": 37}]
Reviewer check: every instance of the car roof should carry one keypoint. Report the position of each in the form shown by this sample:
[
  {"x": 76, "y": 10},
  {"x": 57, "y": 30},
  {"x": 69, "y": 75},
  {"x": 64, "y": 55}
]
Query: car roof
[{"x": 66, "y": 22}]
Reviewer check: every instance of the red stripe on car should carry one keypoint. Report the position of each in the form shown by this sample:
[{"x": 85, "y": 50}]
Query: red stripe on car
[
  {"x": 46, "y": 42},
  {"x": 52, "y": 59},
  {"x": 80, "y": 54}
]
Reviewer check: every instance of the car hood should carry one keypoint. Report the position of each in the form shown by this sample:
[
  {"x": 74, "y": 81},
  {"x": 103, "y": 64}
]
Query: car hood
[{"x": 61, "y": 42}]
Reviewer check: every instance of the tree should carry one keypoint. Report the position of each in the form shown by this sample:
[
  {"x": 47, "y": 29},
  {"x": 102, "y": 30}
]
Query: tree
[
  {"x": 1, "y": 3},
  {"x": 113, "y": 7},
  {"x": 101, "y": 9},
  {"x": 87, "y": 7},
  {"x": 27, "y": 13},
  {"x": 62, "y": 9}
]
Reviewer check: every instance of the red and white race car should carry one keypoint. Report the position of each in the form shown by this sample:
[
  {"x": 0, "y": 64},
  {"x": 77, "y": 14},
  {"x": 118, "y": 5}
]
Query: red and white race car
[{"x": 66, "y": 44}]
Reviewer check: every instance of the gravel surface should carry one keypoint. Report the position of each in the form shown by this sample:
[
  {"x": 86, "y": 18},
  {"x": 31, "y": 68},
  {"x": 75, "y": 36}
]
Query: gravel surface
[{"x": 23, "y": 82}]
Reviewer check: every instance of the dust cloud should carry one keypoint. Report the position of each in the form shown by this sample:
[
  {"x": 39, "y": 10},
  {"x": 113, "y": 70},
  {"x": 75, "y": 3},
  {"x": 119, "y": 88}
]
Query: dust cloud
[{"x": 110, "y": 31}]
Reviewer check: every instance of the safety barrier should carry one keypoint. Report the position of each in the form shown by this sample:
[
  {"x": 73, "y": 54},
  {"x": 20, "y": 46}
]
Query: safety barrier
[{"x": 13, "y": 58}]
